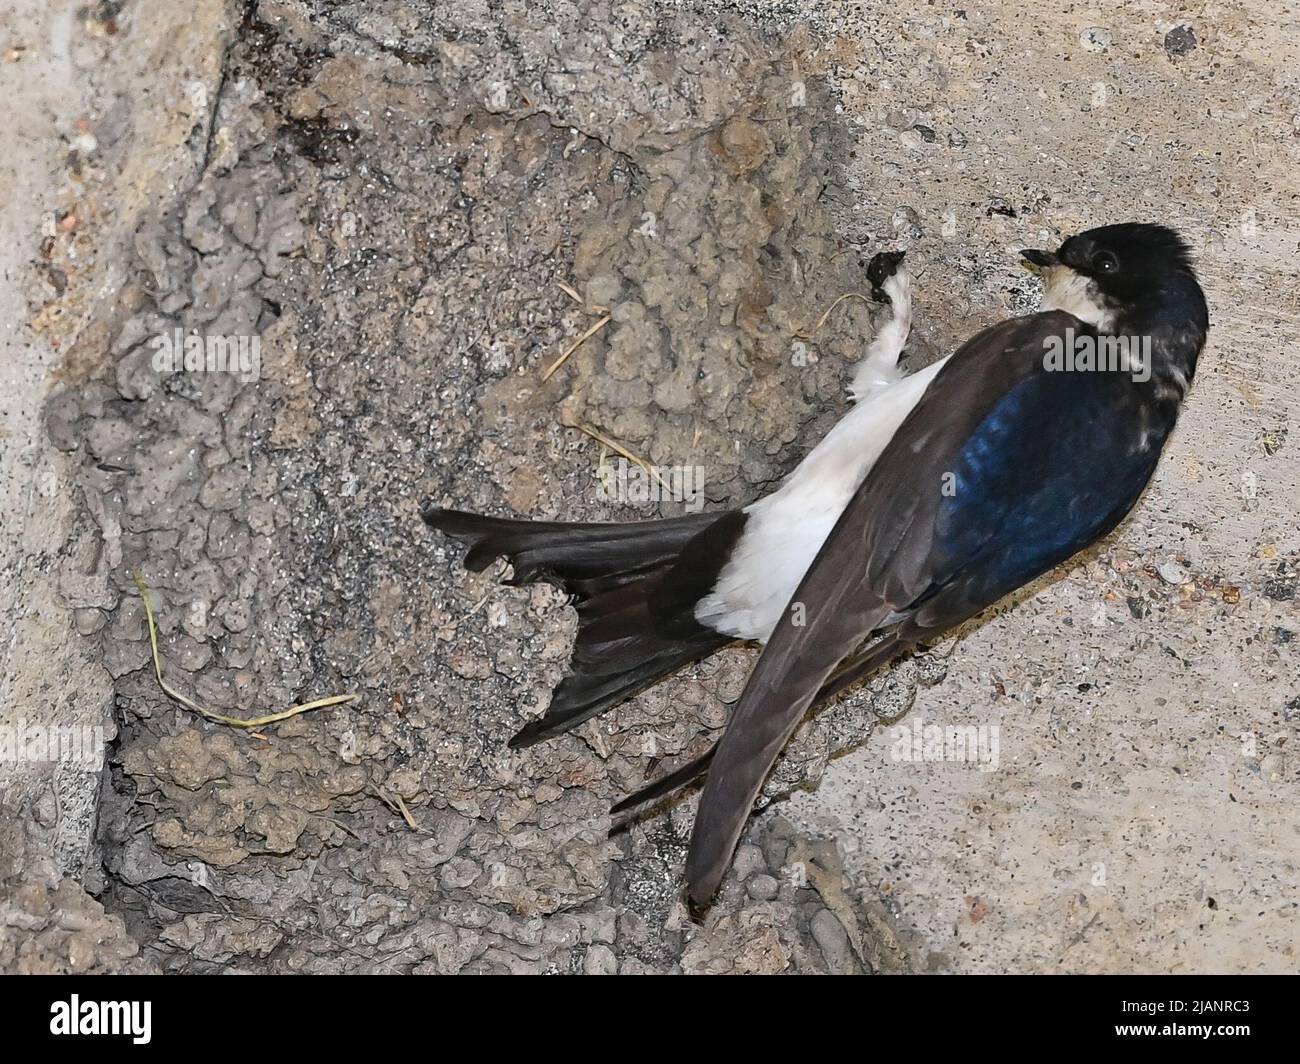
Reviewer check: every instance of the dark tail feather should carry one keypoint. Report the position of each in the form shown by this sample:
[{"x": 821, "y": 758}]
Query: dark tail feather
[
  {"x": 635, "y": 587},
  {"x": 583, "y": 559},
  {"x": 849, "y": 672},
  {"x": 861, "y": 664},
  {"x": 605, "y": 671},
  {"x": 667, "y": 784}
]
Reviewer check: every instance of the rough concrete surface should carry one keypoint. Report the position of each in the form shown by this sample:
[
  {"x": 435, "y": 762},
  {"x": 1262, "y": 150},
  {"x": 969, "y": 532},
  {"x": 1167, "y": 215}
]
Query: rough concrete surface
[{"x": 415, "y": 207}]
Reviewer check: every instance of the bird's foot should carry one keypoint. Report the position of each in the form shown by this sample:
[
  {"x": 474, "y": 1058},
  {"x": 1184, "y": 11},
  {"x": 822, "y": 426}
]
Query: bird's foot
[
  {"x": 883, "y": 266},
  {"x": 891, "y": 286}
]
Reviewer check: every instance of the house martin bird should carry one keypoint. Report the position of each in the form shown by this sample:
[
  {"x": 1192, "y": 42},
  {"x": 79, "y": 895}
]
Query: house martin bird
[{"x": 936, "y": 495}]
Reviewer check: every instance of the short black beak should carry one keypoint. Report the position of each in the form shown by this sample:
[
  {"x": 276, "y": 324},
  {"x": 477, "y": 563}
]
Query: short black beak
[{"x": 1040, "y": 258}]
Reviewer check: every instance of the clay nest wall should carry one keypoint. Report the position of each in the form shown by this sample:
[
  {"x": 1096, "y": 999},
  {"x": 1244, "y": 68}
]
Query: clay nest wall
[{"x": 391, "y": 196}]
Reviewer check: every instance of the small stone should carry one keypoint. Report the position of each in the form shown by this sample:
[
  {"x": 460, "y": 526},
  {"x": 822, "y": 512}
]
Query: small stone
[
  {"x": 742, "y": 145},
  {"x": 1171, "y": 573},
  {"x": 1231, "y": 593},
  {"x": 1179, "y": 41},
  {"x": 907, "y": 223},
  {"x": 957, "y": 139},
  {"x": 1283, "y": 586},
  {"x": 89, "y": 621},
  {"x": 829, "y": 934},
  {"x": 46, "y": 810},
  {"x": 600, "y": 960},
  {"x": 748, "y": 860},
  {"x": 775, "y": 850},
  {"x": 1095, "y": 39},
  {"x": 762, "y": 887}
]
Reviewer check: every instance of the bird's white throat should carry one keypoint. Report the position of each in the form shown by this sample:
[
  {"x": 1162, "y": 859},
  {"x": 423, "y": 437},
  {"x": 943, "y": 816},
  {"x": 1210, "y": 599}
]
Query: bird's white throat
[{"x": 1068, "y": 290}]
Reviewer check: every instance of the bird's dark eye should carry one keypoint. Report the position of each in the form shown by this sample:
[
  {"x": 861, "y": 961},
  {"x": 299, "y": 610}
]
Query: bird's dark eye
[{"x": 1105, "y": 262}]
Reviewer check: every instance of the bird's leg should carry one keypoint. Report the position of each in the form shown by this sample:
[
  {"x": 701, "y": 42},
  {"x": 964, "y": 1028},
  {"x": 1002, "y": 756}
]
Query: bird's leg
[{"x": 891, "y": 284}]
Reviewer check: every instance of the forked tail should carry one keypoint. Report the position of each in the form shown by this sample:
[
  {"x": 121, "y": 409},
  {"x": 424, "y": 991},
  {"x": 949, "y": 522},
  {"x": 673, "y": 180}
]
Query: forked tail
[{"x": 635, "y": 587}]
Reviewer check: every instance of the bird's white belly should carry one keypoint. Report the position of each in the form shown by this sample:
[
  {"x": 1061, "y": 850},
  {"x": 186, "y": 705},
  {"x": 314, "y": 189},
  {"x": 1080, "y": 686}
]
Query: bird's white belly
[{"x": 786, "y": 529}]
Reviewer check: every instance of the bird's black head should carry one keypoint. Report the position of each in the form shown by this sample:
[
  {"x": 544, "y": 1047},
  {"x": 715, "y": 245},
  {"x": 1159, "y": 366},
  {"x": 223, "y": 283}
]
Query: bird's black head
[{"x": 1132, "y": 271}]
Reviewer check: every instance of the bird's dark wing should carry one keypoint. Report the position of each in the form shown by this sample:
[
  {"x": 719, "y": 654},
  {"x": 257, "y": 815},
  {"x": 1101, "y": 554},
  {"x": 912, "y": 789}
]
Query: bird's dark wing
[
  {"x": 1001, "y": 471},
  {"x": 850, "y": 671}
]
